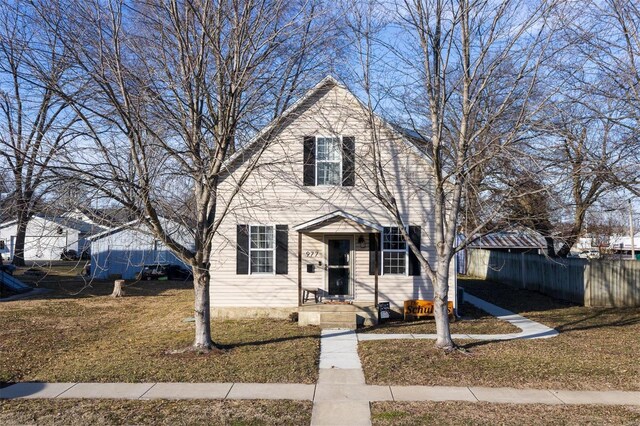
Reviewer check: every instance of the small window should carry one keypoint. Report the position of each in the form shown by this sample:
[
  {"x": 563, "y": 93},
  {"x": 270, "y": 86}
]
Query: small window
[
  {"x": 328, "y": 161},
  {"x": 394, "y": 252},
  {"x": 261, "y": 249},
  {"x": 2, "y": 247}
]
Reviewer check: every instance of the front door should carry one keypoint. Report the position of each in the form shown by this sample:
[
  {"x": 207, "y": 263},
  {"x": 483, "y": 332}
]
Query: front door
[{"x": 339, "y": 266}]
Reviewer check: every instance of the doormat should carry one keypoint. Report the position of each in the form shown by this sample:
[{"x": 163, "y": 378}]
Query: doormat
[{"x": 337, "y": 302}]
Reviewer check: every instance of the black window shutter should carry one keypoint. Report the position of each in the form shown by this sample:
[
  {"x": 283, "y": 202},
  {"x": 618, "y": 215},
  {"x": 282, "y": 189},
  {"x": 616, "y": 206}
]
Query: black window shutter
[
  {"x": 242, "y": 250},
  {"x": 348, "y": 160},
  {"x": 373, "y": 245},
  {"x": 282, "y": 249},
  {"x": 414, "y": 264},
  {"x": 309, "y": 174}
]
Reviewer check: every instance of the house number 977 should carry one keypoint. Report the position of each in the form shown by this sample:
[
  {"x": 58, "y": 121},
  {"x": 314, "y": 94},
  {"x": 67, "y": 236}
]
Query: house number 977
[{"x": 312, "y": 253}]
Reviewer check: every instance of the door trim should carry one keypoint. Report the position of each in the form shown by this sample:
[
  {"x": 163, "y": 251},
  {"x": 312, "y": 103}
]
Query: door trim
[{"x": 325, "y": 270}]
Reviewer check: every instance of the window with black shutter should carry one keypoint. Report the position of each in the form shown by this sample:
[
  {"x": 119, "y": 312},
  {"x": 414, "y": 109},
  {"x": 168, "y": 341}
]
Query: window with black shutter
[
  {"x": 329, "y": 161},
  {"x": 397, "y": 257},
  {"x": 262, "y": 249}
]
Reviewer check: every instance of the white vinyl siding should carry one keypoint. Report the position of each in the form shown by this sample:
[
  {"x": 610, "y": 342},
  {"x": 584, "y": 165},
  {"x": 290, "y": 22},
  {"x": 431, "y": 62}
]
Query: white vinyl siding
[
  {"x": 274, "y": 194},
  {"x": 394, "y": 252},
  {"x": 262, "y": 249},
  {"x": 328, "y": 161}
]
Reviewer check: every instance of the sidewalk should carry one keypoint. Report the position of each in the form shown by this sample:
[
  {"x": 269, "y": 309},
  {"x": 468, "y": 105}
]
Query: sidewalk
[{"x": 325, "y": 391}]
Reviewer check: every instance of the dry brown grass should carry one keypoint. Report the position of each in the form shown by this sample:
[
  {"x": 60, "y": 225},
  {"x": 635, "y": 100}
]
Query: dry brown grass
[
  {"x": 156, "y": 412},
  {"x": 473, "y": 321},
  {"x": 64, "y": 336},
  {"x": 468, "y": 413},
  {"x": 596, "y": 349}
]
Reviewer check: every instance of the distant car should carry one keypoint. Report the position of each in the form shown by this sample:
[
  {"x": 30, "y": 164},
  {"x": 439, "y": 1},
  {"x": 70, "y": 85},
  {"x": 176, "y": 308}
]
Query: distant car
[
  {"x": 69, "y": 255},
  {"x": 166, "y": 271},
  {"x": 590, "y": 254}
]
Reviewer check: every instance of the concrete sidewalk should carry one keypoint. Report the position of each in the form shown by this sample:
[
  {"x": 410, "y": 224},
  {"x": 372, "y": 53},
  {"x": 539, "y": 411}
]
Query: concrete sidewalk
[
  {"x": 529, "y": 329},
  {"x": 345, "y": 387}
]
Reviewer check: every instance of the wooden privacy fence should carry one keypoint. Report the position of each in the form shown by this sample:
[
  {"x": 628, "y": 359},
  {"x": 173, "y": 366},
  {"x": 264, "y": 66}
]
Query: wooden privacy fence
[{"x": 582, "y": 281}]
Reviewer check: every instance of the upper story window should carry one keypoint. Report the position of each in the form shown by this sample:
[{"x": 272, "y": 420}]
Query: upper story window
[
  {"x": 261, "y": 249},
  {"x": 394, "y": 252},
  {"x": 328, "y": 161}
]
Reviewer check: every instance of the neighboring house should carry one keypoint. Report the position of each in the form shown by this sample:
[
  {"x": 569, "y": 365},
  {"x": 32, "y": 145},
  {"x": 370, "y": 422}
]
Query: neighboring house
[
  {"x": 47, "y": 237},
  {"x": 621, "y": 244},
  {"x": 123, "y": 251},
  {"x": 516, "y": 241},
  {"x": 307, "y": 218},
  {"x": 521, "y": 240}
]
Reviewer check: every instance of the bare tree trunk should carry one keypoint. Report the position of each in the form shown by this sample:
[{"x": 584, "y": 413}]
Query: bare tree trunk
[
  {"x": 202, "y": 312},
  {"x": 21, "y": 234},
  {"x": 117, "y": 288},
  {"x": 440, "y": 300}
]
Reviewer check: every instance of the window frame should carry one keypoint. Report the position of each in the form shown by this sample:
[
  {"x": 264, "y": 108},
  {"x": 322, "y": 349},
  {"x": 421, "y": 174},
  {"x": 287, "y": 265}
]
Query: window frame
[
  {"x": 383, "y": 250},
  {"x": 272, "y": 250},
  {"x": 339, "y": 161}
]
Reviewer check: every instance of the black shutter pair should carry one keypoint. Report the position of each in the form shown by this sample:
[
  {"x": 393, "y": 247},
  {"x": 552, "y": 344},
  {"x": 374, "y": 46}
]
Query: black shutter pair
[
  {"x": 414, "y": 263},
  {"x": 348, "y": 161},
  {"x": 282, "y": 249}
]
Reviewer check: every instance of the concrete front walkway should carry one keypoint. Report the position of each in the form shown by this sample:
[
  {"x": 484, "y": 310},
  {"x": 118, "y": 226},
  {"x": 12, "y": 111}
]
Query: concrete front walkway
[
  {"x": 529, "y": 329},
  {"x": 341, "y": 395}
]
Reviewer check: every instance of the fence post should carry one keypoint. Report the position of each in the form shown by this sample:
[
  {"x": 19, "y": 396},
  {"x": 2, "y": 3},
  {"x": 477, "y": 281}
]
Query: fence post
[
  {"x": 587, "y": 284},
  {"x": 522, "y": 271}
]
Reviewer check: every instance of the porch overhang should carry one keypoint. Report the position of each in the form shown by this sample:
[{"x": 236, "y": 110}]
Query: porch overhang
[{"x": 338, "y": 222}]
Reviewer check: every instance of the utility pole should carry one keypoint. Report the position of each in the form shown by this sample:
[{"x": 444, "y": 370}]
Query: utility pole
[{"x": 633, "y": 247}]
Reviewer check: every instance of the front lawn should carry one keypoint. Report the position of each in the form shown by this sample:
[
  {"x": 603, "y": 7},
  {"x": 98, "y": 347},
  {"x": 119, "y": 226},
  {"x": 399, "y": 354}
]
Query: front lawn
[
  {"x": 77, "y": 333},
  {"x": 156, "y": 412},
  {"x": 471, "y": 413},
  {"x": 597, "y": 349}
]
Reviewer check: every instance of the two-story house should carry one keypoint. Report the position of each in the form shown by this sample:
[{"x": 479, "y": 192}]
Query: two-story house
[{"x": 308, "y": 217}]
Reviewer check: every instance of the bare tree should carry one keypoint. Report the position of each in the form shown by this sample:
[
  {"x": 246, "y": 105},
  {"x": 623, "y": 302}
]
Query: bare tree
[
  {"x": 175, "y": 87},
  {"x": 588, "y": 140},
  {"x": 35, "y": 122},
  {"x": 469, "y": 74}
]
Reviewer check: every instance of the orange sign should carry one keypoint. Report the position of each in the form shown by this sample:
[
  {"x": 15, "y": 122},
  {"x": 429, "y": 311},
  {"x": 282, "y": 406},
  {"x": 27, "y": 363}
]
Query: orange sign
[{"x": 422, "y": 308}]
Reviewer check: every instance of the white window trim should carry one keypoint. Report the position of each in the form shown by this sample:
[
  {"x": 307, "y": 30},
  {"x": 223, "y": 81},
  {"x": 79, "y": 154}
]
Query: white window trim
[
  {"x": 273, "y": 250},
  {"x": 315, "y": 146},
  {"x": 382, "y": 251}
]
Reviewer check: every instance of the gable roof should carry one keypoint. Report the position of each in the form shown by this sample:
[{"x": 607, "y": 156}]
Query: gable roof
[
  {"x": 329, "y": 80},
  {"x": 509, "y": 239},
  {"x": 336, "y": 214},
  {"x": 67, "y": 222}
]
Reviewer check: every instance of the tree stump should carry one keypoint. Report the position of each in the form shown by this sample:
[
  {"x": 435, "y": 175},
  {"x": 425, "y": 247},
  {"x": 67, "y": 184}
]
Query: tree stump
[{"x": 117, "y": 288}]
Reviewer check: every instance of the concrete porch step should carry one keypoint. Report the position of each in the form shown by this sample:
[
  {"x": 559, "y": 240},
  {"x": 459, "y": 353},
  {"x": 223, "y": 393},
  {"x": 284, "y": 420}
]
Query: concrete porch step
[
  {"x": 342, "y": 315},
  {"x": 338, "y": 320}
]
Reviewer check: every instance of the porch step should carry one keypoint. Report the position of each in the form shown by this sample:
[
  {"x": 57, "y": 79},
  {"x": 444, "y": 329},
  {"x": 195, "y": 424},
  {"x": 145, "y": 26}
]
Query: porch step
[{"x": 338, "y": 320}]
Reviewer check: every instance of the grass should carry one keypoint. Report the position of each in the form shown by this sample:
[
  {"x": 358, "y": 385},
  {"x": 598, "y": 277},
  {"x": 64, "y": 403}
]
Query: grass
[
  {"x": 78, "y": 333},
  {"x": 596, "y": 350},
  {"x": 155, "y": 412},
  {"x": 466, "y": 413},
  {"x": 474, "y": 320}
]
